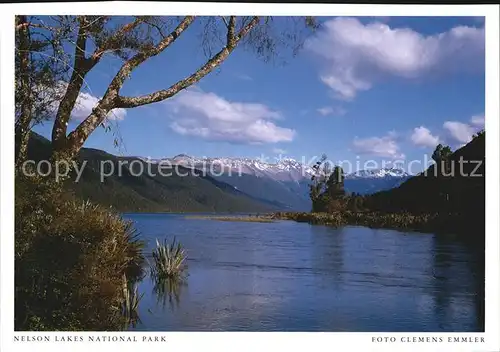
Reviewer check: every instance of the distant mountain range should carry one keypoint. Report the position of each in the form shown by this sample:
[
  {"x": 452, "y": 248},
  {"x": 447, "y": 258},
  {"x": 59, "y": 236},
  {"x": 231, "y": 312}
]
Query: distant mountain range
[
  {"x": 151, "y": 192},
  {"x": 286, "y": 182},
  {"x": 226, "y": 185},
  {"x": 375, "y": 180},
  {"x": 284, "y": 170}
]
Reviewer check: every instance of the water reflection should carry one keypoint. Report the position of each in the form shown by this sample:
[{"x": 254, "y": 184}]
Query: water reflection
[
  {"x": 130, "y": 304},
  {"x": 168, "y": 290},
  {"x": 328, "y": 252},
  {"x": 288, "y": 276},
  {"x": 458, "y": 277}
]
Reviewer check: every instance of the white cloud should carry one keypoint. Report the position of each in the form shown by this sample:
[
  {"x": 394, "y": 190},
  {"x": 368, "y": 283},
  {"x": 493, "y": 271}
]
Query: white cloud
[
  {"x": 393, "y": 134},
  {"x": 84, "y": 105},
  {"x": 86, "y": 102},
  {"x": 211, "y": 117},
  {"x": 462, "y": 132},
  {"x": 279, "y": 151},
  {"x": 355, "y": 55},
  {"x": 423, "y": 137},
  {"x": 385, "y": 146},
  {"x": 328, "y": 110},
  {"x": 325, "y": 111},
  {"x": 243, "y": 77},
  {"x": 478, "y": 120}
]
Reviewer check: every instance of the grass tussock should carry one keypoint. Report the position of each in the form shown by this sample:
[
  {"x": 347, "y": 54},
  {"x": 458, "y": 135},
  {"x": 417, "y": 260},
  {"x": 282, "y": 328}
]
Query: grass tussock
[
  {"x": 70, "y": 260},
  {"x": 168, "y": 260}
]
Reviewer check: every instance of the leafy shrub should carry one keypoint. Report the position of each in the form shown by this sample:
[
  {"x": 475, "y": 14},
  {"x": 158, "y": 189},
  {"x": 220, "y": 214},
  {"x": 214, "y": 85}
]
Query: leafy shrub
[{"x": 70, "y": 259}]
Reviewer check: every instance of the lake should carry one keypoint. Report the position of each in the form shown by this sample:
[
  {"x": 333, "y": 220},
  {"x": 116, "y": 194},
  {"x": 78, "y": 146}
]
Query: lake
[{"x": 288, "y": 276}]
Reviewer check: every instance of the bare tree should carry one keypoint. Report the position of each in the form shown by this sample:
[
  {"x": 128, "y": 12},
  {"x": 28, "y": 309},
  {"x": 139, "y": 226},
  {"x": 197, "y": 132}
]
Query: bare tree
[{"x": 136, "y": 40}]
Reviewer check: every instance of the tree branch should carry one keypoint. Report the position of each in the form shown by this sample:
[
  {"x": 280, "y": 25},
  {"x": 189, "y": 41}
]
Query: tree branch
[
  {"x": 82, "y": 66},
  {"x": 244, "y": 31},
  {"x": 117, "y": 35},
  {"x": 112, "y": 100},
  {"x": 231, "y": 26},
  {"x": 34, "y": 25},
  {"x": 209, "y": 66},
  {"x": 109, "y": 101}
]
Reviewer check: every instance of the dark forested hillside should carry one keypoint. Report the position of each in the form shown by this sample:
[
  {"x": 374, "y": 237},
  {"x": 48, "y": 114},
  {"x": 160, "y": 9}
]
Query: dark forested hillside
[
  {"x": 148, "y": 193},
  {"x": 454, "y": 189}
]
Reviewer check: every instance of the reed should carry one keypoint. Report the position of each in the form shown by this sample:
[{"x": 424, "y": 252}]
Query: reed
[
  {"x": 168, "y": 260},
  {"x": 130, "y": 303}
]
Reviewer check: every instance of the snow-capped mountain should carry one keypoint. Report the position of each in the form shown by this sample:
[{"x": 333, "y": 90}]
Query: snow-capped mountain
[
  {"x": 375, "y": 180},
  {"x": 378, "y": 173},
  {"x": 284, "y": 182},
  {"x": 285, "y": 169}
]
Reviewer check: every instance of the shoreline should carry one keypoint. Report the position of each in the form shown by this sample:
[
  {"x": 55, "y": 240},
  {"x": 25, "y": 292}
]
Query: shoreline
[
  {"x": 454, "y": 224},
  {"x": 235, "y": 218}
]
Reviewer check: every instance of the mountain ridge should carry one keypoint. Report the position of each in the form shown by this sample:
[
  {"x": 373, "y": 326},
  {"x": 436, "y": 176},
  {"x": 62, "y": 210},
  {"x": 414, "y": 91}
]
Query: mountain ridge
[
  {"x": 240, "y": 184},
  {"x": 284, "y": 182},
  {"x": 150, "y": 193},
  {"x": 258, "y": 167}
]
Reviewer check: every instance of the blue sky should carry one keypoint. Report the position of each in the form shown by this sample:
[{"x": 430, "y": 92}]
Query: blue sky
[{"x": 361, "y": 89}]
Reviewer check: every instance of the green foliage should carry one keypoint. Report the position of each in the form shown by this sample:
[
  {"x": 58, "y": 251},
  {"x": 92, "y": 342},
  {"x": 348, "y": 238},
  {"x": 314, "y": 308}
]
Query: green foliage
[
  {"x": 327, "y": 188},
  {"x": 441, "y": 153},
  {"x": 130, "y": 303},
  {"x": 168, "y": 271},
  {"x": 335, "y": 183},
  {"x": 70, "y": 258},
  {"x": 458, "y": 194},
  {"x": 460, "y": 191},
  {"x": 403, "y": 220},
  {"x": 46, "y": 66},
  {"x": 448, "y": 199},
  {"x": 317, "y": 180},
  {"x": 168, "y": 260}
]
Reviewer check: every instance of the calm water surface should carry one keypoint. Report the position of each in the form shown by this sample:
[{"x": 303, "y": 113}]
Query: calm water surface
[{"x": 288, "y": 276}]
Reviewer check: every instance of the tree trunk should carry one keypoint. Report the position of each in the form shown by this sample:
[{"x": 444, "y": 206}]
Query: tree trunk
[
  {"x": 81, "y": 67},
  {"x": 23, "y": 123},
  {"x": 22, "y": 139}
]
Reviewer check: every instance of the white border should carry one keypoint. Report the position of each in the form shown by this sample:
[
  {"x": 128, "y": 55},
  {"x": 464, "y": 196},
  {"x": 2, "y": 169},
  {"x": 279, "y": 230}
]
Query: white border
[{"x": 251, "y": 341}]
